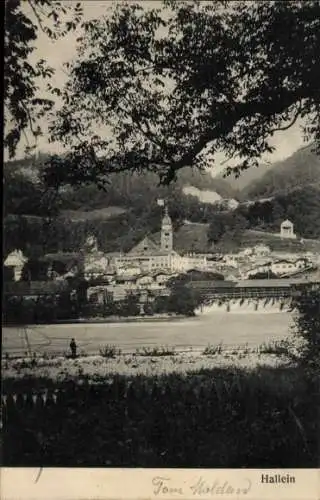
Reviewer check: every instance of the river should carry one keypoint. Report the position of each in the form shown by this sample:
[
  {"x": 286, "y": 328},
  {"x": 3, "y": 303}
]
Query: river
[{"x": 232, "y": 329}]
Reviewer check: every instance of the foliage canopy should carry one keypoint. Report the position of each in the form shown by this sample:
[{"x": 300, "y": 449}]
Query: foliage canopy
[
  {"x": 24, "y": 103},
  {"x": 176, "y": 84}
]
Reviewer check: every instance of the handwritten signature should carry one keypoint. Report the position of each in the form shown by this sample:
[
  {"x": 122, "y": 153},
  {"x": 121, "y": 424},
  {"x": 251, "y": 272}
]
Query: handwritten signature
[{"x": 200, "y": 487}]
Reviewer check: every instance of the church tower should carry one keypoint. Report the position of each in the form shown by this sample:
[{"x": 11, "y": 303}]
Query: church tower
[{"x": 166, "y": 232}]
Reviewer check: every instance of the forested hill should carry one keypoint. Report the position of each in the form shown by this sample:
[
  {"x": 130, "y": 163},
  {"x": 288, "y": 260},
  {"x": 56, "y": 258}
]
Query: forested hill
[
  {"x": 247, "y": 177},
  {"x": 128, "y": 210},
  {"x": 125, "y": 189},
  {"x": 301, "y": 170},
  {"x": 119, "y": 215}
]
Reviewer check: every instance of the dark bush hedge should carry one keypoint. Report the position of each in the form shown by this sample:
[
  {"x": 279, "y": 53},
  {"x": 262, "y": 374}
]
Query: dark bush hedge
[{"x": 210, "y": 419}]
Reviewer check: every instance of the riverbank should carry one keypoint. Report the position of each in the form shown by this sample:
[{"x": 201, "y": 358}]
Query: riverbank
[
  {"x": 106, "y": 320},
  {"x": 111, "y": 362},
  {"x": 126, "y": 319}
]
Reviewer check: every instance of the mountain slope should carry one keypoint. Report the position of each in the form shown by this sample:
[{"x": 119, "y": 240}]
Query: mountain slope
[
  {"x": 119, "y": 215},
  {"x": 300, "y": 170},
  {"x": 247, "y": 177},
  {"x": 124, "y": 189}
]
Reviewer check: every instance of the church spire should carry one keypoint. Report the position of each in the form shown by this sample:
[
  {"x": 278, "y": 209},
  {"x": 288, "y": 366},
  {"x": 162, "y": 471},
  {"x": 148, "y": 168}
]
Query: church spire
[{"x": 166, "y": 232}]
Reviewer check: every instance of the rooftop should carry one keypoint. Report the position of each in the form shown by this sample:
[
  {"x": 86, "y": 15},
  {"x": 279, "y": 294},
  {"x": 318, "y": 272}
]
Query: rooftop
[{"x": 271, "y": 283}]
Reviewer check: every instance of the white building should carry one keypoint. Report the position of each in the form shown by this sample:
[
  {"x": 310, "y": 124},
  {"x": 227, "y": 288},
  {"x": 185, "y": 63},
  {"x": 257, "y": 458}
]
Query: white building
[
  {"x": 246, "y": 252},
  {"x": 16, "y": 261},
  {"x": 259, "y": 268},
  {"x": 95, "y": 263},
  {"x": 231, "y": 260},
  {"x": 282, "y": 267},
  {"x": 287, "y": 230},
  {"x": 261, "y": 250},
  {"x": 128, "y": 270}
]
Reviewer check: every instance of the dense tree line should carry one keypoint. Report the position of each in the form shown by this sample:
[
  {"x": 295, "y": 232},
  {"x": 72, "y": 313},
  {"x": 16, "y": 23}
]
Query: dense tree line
[
  {"x": 49, "y": 309},
  {"x": 301, "y": 206}
]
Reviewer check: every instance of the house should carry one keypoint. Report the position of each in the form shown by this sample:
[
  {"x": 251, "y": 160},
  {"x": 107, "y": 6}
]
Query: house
[
  {"x": 95, "y": 267},
  {"x": 231, "y": 277},
  {"x": 162, "y": 278},
  {"x": 144, "y": 281},
  {"x": 107, "y": 277},
  {"x": 302, "y": 263},
  {"x": 262, "y": 267},
  {"x": 125, "y": 280},
  {"x": 100, "y": 294},
  {"x": 95, "y": 262},
  {"x": 282, "y": 267},
  {"x": 246, "y": 252},
  {"x": 128, "y": 270},
  {"x": 230, "y": 260},
  {"x": 261, "y": 250},
  {"x": 14, "y": 263},
  {"x": 192, "y": 260},
  {"x": 63, "y": 264}
]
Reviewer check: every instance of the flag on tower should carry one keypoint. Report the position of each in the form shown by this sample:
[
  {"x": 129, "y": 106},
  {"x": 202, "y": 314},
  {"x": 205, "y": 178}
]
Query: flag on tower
[{"x": 160, "y": 202}]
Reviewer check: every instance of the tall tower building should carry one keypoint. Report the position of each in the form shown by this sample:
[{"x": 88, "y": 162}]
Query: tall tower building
[{"x": 166, "y": 232}]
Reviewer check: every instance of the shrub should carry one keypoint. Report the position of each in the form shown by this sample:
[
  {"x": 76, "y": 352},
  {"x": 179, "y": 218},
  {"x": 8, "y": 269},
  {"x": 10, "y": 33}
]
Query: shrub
[
  {"x": 109, "y": 351},
  {"x": 211, "y": 350},
  {"x": 212, "y": 418},
  {"x": 307, "y": 328},
  {"x": 155, "y": 351},
  {"x": 281, "y": 347}
]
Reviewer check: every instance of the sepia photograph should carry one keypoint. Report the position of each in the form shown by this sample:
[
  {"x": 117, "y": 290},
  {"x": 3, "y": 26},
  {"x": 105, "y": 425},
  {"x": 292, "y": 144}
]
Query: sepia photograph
[{"x": 161, "y": 238}]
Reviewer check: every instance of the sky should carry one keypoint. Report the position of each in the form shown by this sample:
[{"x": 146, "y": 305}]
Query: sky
[{"x": 63, "y": 50}]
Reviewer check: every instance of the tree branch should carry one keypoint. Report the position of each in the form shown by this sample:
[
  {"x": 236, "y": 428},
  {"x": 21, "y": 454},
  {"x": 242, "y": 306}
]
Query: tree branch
[
  {"x": 29, "y": 118},
  {"x": 293, "y": 121},
  {"x": 37, "y": 16}
]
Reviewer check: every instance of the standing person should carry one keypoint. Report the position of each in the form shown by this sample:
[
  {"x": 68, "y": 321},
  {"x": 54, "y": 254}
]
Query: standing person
[{"x": 73, "y": 347}]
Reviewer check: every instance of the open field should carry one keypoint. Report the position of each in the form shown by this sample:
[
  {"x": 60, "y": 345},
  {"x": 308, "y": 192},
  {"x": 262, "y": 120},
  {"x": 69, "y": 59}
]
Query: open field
[{"x": 196, "y": 333}]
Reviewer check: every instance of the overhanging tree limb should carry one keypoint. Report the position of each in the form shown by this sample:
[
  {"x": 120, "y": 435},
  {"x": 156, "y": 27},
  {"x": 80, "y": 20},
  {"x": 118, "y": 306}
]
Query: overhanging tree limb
[{"x": 221, "y": 78}]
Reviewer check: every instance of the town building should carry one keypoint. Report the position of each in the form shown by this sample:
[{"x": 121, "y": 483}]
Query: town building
[
  {"x": 62, "y": 265},
  {"x": 14, "y": 264},
  {"x": 261, "y": 250},
  {"x": 155, "y": 252},
  {"x": 287, "y": 230},
  {"x": 281, "y": 267}
]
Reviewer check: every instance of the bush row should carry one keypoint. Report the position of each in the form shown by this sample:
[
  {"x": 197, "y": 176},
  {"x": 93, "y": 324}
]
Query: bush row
[{"x": 217, "y": 418}]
